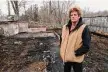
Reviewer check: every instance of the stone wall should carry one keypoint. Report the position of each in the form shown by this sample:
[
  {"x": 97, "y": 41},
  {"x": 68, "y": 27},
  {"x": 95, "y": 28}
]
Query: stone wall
[
  {"x": 10, "y": 29},
  {"x": 15, "y": 28}
]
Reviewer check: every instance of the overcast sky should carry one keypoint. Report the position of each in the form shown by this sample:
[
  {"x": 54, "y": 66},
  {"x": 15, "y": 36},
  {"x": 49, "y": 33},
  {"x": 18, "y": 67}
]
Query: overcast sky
[{"x": 93, "y": 5}]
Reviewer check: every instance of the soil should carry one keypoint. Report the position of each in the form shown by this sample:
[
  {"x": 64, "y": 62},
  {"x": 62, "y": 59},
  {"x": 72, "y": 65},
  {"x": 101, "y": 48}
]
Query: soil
[{"x": 27, "y": 55}]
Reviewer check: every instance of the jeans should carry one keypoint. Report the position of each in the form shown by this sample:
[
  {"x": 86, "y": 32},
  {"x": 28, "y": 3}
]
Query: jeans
[{"x": 77, "y": 67}]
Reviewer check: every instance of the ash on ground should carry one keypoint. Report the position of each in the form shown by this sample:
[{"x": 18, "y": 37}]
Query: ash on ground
[{"x": 41, "y": 54}]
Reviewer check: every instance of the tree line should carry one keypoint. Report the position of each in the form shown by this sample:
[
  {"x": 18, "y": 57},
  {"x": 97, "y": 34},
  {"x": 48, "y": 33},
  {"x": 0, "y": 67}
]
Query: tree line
[{"x": 50, "y": 12}]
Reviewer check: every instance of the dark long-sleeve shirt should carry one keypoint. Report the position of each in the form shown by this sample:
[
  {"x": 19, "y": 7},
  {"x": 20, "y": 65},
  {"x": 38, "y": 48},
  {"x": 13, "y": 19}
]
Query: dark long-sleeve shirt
[{"x": 86, "y": 38}]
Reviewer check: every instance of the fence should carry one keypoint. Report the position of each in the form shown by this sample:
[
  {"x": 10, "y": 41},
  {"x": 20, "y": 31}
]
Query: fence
[{"x": 99, "y": 23}]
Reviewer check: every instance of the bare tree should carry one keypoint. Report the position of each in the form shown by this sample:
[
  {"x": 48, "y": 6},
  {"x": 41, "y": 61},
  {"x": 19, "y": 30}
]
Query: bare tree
[
  {"x": 15, "y": 7},
  {"x": 23, "y": 4},
  {"x": 8, "y": 3},
  {"x": 55, "y": 11},
  {"x": 35, "y": 13},
  {"x": 31, "y": 14}
]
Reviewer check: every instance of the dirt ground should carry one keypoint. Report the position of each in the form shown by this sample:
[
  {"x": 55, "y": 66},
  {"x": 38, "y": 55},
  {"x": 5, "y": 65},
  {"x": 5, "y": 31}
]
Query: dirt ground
[
  {"x": 27, "y": 55},
  {"x": 97, "y": 58}
]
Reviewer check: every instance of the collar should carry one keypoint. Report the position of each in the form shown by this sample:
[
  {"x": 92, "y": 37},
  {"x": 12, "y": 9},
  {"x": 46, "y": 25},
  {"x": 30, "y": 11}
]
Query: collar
[{"x": 77, "y": 26}]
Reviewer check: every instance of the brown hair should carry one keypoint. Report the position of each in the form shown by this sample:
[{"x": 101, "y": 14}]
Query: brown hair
[{"x": 77, "y": 9}]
